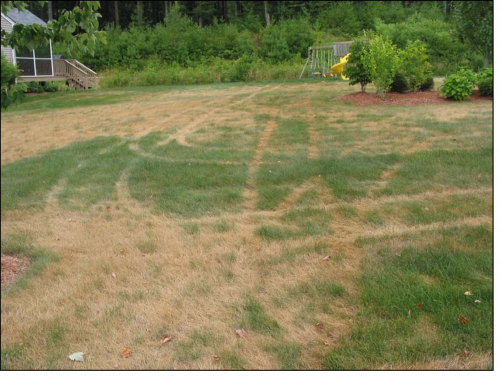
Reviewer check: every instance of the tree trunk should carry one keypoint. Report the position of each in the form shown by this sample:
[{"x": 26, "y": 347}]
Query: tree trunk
[
  {"x": 363, "y": 87},
  {"x": 166, "y": 9},
  {"x": 266, "y": 14},
  {"x": 50, "y": 11},
  {"x": 445, "y": 5},
  {"x": 117, "y": 14},
  {"x": 140, "y": 12},
  {"x": 487, "y": 60}
]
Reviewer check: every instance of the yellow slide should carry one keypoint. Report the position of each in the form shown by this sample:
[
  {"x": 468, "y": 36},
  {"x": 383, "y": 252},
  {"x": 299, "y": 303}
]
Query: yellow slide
[{"x": 339, "y": 67}]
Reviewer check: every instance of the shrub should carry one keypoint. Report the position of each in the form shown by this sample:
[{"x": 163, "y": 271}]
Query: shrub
[
  {"x": 414, "y": 64},
  {"x": 382, "y": 63},
  {"x": 11, "y": 92},
  {"x": 400, "y": 83},
  {"x": 50, "y": 87},
  {"x": 469, "y": 74},
  {"x": 428, "y": 84},
  {"x": 34, "y": 87},
  {"x": 457, "y": 87},
  {"x": 485, "y": 73},
  {"x": 486, "y": 87},
  {"x": 356, "y": 70}
]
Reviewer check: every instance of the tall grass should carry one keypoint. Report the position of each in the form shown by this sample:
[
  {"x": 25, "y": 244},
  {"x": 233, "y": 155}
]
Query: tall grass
[{"x": 214, "y": 71}]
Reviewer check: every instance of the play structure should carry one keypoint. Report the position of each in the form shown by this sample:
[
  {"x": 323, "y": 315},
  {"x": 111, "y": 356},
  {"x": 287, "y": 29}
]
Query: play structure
[{"x": 326, "y": 61}]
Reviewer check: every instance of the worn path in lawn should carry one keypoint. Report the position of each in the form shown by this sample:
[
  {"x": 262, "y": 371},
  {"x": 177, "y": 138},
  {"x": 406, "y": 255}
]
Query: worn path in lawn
[{"x": 336, "y": 236}]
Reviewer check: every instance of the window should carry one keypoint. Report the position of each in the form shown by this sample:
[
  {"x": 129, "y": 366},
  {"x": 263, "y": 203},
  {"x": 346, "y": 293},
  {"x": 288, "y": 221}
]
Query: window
[{"x": 36, "y": 62}]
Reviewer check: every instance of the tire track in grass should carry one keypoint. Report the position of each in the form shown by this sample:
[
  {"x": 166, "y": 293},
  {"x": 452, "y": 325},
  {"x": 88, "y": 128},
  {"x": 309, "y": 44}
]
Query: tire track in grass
[{"x": 190, "y": 128}]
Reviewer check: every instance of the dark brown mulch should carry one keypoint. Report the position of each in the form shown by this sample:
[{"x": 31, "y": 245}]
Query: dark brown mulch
[
  {"x": 12, "y": 267},
  {"x": 410, "y": 98}
]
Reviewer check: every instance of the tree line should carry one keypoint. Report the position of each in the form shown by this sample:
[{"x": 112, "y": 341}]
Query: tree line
[{"x": 123, "y": 13}]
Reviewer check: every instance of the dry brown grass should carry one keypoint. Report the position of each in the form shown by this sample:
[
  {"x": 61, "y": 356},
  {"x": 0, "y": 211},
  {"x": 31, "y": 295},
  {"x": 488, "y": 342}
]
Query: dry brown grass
[{"x": 191, "y": 286}]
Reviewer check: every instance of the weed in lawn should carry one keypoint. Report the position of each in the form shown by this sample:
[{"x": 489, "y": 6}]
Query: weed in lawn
[{"x": 256, "y": 319}]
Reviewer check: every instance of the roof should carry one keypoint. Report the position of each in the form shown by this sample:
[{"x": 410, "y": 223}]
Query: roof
[{"x": 24, "y": 18}]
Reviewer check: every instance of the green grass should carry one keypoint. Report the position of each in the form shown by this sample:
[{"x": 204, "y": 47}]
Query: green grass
[
  {"x": 458, "y": 260},
  {"x": 288, "y": 354},
  {"x": 256, "y": 319}
]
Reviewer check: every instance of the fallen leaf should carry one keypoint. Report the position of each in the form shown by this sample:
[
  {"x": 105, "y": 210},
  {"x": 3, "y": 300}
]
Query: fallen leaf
[
  {"x": 319, "y": 325},
  {"x": 463, "y": 320},
  {"x": 409, "y": 312},
  {"x": 108, "y": 208},
  {"x": 467, "y": 293},
  {"x": 115, "y": 366},
  {"x": 165, "y": 339},
  {"x": 419, "y": 305},
  {"x": 113, "y": 275},
  {"x": 216, "y": 358},
  {"x": 62, "y": 302},
  {"x": 477, "y": 301},
  {"x": 78, "y": 357},
  {"x": 57, "y": 238},
  {"x": 466, "y": 353},
  {"x": 326, "y": 343},
  {"x": 241, "y": 333},
  {"x": 327, "y": 258},
  {"x": 126, "y": 353}
]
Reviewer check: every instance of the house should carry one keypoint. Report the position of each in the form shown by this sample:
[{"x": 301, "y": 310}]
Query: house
[{"x": 40, "y": 64}]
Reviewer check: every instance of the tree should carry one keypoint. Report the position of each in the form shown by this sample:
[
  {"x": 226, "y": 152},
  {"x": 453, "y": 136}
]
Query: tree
[
  {"x": 77, "y": 30},
  {"x": 266, "y": 14},
  {"x": 50, "y": 12},
  {"x": 382, "y": 63},
  {"x": 117, "y": 14},
  {"x": 474, "y": 20},
  {"x": 356, "y": 70}
]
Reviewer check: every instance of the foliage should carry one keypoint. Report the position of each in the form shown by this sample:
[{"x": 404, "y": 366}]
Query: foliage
[
  {"x": 428, "y": 84},
  {"x": 11, "y": 92},
  {"x": 356, "y": 70},
  {"x": 485, "y": 82},
  {"x": 34, "y": 87},
  {"x": 400, "y": 83},
  {"x": 474, "y": 20},
  {"x": 414, "y": 64},
  {"x": 382, "y": 63},
  {"x": 446, "y": 51},
  {"x": 77, "y": 29},
  {"x": 340, "y": 19},
  {"x": 457, "y": 87}
]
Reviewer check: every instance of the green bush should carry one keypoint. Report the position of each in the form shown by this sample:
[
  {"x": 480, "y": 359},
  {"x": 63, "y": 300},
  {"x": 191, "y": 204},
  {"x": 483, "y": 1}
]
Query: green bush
[
  {"x": 382, "y": 63},
  {"x": 50, "y": 87},
  {"x": 34, "y": 87},
  {"x": 356, "y": 70},
  {"x": 428, "y": 84},
  {"x": 11, "y": 92},
  {"x": 457, "y": 87},
  {"x": 414, "y": 64},
  {"x": 485, "y": 73},
  {"x": 400, "y": 83},
  {"x": 486, "y": 87},
  {"x": 446, "y": 51},
  {"x": 469, "y": 74}
]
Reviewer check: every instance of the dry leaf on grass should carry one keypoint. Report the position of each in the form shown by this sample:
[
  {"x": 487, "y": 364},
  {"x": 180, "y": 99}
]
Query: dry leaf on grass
[
  {"x": 126, "y": 353},
  {"x": 419, "y": 305},
  {"x": 326, "y": 343},
  {"x": 463, "y": 320},
  {"x": 477, "y": 301},
  {"x": 466, "y": 353},
  {"x": 327, "y": 258},
  {"x": 241, "y": 333},
  {"x": 108, "y": 208},
  {"x": 468, "y": 293},
  {"x": 216, "y": 358},
  {"x": 165, "y": 339},
  {"x": 409, "y": 312},
  {"x": 319, "y": 325},
  {"x": 113, "y": 275}
]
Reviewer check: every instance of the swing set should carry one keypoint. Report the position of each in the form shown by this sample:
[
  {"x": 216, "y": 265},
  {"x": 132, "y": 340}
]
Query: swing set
[{"x": 320, "y": 59}]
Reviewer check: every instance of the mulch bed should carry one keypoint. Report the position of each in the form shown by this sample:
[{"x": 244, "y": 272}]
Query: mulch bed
[
  {"x": 12, "y": 267},
  {"x": 410, "y": 98}
]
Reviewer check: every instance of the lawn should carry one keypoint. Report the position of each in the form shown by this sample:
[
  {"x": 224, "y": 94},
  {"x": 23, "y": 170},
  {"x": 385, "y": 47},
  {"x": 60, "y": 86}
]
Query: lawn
[{"x": 336, "y": 236}]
